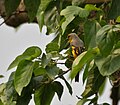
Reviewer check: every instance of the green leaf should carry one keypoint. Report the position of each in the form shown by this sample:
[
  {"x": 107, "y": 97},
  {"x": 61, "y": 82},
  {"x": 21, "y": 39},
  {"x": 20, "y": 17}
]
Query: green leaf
[
  {"x": 110, "y": 64},
  {"x": 45, "y": 60},
  {"x": 11, "y": 6},
  {"x": 3, "y": 97},
  {"x": 7, "y": 91},
  {"x": 52, "y": 71},
  {"x": 118, "y": 19},
  {"x": 91, "y": 7},
  {"x": 88, "y": 67},
  {"x": 41, "y": 12},
  {"x": 81, "y": 60},
  {"x": 39, "y": 71},
  {"x": 52, "y": 47},
  {"x": 67, "y": 84},
  {"x": 69, "y": 62},
  {"x": 85, "y": 73},
  {"x": 102, "y": 88},
  {"x": 94, "y": 82},
  {"x": 44, "y": 95},
  {"x": 10, "y": 92},
  {"x": 37, "y": 81},
  {"x": 77, "y": 2},
  {"x": 90, "y": 29},
  {"x": 105, "y": 40},
  {"x": 23, "y": 73},
  {"x": 56, "y": 55},
  {"x": 51, "y": 9},
  {"x": 1, "y": 103},
  {"x": 52, "y": 20},
  {"x": 93, "y": 100},
  {"x": 32, "y": 8},
  {"x": 70, "y": 12},
  {"x": 44, "y": 4},
  {"x": 114, "y": 10},
  {"x": 29, "y": 54},
  {"x": 104, "y": 29},
  {"x": 40, "y": 19},
  {"x": 26, "y": 95},
  {"x": 58, "y": 88},
  {"x": 1, "y": 76},
  {"x": 82, "y": 101}
]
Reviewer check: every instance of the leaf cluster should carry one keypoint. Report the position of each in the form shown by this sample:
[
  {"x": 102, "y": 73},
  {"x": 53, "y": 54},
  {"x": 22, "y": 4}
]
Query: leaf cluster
[{"x": 37, "y": 72}]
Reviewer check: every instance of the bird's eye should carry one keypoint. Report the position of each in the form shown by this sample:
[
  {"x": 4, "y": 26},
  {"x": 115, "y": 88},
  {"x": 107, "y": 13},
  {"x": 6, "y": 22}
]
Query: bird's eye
[{"x": 68, "y": 36}]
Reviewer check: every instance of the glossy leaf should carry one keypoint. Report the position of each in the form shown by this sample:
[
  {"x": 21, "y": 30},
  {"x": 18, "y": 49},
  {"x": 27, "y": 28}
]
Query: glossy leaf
[
  {"x": 70, "y": 12},
  {"x": 50, "y": 14},
  {"x": 44, "y": 4},
  {"x": 82, "y": 101},
  {"x": 58, "y": 88},
  {"x": 91, "y": 7},
  {"x": 114, "y": 10},
  {"x": 23, "y": 73},
  {"x": 81, "y": 60},
  {"x": 7, "y": 90},
  {"x": 118, "y": 19},
  {"x": 93, "y": 100},
  {"x": 85, "y": 73},
  {"x": 3, "y": 98},
  {"x": 69, "y": 62},
  {"x": 11, "y": 6},
  {"x": 87, "y": 68},
  {"x": 92, "y": 86},
  {"x": 90, "y": 29},
  {"x": 36, "y": 81},
  {"x": 41, "y": 12},
  {"x": 105, "y": 40},
  {"x": 102, "y": 88},
  {"x": 77, "y": 2},
  {"x": 52, "y": 71},
  {"x": 29, "y": 54},
  {"x": 55, "y": 55},
  {"x": 39, "y": 71},
  {"x": 32, "y": 8},
  {"x": 44, "y": 95},
  {"x": 45, "y": 60},
  {"x": 1, "y": 103},
  {"x": 52, "y": 47},
  {"x": 110, "y": 64},
  {"x": 40, "y": 19},
  {"x": 52, "y": 19},
  {"x": 104, "y": 30},
  {"x": 26, "y": 96}
]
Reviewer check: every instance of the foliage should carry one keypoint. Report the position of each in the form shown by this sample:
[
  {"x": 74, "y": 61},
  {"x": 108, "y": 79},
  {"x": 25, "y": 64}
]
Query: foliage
[{"x": 37, "y": 72}]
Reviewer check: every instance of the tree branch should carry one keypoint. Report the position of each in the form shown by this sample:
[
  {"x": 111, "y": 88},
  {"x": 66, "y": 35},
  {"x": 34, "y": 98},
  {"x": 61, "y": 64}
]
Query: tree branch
[
  {"x": 16, "y": 20},
  {"x": 61, "y": 74}
]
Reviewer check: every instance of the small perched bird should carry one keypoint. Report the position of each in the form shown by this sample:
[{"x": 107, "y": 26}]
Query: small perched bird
[{"x": 77, "y": 46}]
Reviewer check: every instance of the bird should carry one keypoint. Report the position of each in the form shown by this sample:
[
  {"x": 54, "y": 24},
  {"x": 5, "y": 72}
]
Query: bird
[{"x": 77, "y": 46}]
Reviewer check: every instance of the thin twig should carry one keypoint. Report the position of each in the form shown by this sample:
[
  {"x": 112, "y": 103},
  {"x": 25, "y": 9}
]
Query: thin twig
[
  {"x": 78, "y": 97},
  {"x": 5, "y": 21},
  {"x": 60, "y": 63},
  {"x": 61, "y": 74}
]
